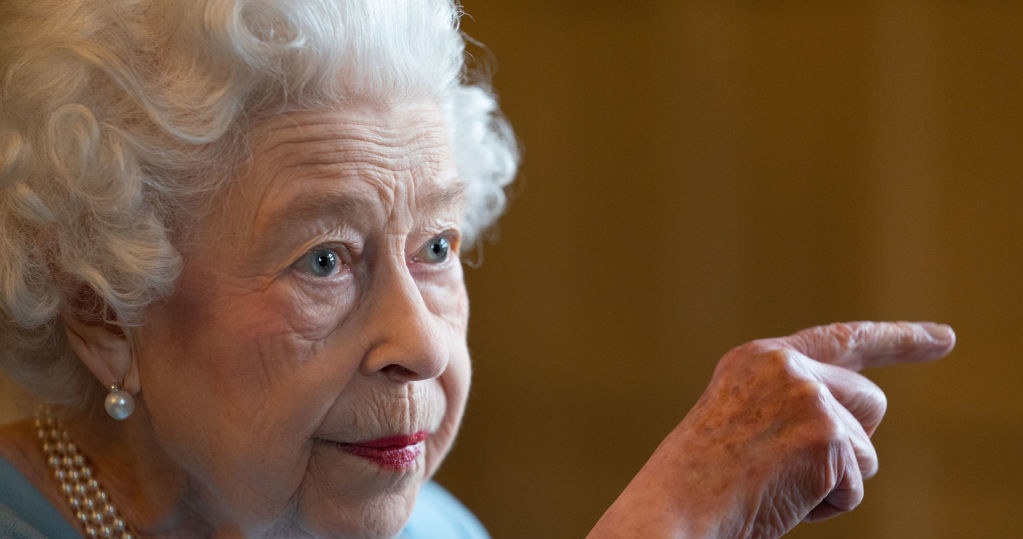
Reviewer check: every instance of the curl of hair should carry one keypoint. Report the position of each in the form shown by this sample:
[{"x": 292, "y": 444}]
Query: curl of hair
[{"x": 118, "y": 119}]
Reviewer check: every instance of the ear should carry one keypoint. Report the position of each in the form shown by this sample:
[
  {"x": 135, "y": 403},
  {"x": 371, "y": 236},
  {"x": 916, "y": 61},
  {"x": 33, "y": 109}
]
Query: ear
[{"x": 105, "y": 350}]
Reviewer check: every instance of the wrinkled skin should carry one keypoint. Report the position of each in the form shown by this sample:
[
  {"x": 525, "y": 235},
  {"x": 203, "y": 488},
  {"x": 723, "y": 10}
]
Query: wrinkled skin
[
  {"x": 781, "y": 435},
  {"x": 280, "y": 363},
  {"x": 253, "y": 371},
  {"x": 321, "y": 306}
]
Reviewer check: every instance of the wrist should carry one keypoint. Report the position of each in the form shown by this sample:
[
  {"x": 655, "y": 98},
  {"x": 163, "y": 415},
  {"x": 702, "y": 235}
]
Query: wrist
[{"x": 671, "y": 496}]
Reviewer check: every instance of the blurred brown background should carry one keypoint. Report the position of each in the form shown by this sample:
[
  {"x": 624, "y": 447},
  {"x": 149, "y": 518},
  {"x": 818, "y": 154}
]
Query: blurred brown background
[{"x": 697, "y": 175}]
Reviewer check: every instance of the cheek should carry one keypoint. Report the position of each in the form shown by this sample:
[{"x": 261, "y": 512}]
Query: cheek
[
  {"x": 234, "y": 392},
  {"x": 240, "y": 353},
  {"x": 313, "y": 312},
  {"x": 237, "y": 382},
  {"x": 345, "y": 502},
  {"x": 248, "y": 345},
  {"x": 453, "y": 309},
  {"x": 455, "y": 384},
  {"x": 445, "y": 296}
]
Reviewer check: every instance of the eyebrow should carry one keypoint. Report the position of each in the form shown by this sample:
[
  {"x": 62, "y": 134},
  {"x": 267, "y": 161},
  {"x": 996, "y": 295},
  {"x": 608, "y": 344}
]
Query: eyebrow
[{"x": 348, "y": 205}]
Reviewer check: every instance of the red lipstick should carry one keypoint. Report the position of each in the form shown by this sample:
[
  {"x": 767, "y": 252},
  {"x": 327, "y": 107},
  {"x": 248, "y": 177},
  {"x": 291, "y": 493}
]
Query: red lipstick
[{"x": 392, "y": 452}]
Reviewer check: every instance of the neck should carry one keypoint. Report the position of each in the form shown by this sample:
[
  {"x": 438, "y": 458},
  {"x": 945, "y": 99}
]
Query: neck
[
  {"x": 139, "y": 478},
  {"x": 153, "y": 496}
]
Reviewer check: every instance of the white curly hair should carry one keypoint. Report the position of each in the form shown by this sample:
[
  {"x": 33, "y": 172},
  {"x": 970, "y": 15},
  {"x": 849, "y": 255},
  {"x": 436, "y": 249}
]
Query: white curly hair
[{"x": 119, "y": 118}]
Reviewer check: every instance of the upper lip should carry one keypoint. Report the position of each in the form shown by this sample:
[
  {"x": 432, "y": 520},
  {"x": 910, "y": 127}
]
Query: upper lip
[{"x": 398, "y": 440}]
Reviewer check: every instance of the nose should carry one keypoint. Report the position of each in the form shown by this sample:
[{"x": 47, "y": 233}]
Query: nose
[{"x": 406, "y": 342}]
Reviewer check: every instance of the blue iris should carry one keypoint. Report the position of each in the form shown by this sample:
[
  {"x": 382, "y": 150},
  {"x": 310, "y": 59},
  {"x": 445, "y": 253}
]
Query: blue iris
[
  {"x": 436, "y": 251},
  {"x": 321, "y": 262}
]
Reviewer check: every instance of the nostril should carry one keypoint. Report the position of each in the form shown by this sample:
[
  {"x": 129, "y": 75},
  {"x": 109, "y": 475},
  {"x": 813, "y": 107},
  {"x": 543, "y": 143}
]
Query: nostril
[{"x": 400, "y": 371}]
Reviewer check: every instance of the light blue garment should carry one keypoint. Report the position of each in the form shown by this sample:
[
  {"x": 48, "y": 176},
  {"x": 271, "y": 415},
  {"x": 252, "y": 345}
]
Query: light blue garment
[
  {"x": 438, "y": 515},
  {"x": 26, "y": 514}
]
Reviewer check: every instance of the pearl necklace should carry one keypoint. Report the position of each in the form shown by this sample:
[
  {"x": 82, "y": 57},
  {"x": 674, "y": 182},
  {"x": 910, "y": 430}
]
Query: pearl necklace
[{"x": 89, "y": 502}]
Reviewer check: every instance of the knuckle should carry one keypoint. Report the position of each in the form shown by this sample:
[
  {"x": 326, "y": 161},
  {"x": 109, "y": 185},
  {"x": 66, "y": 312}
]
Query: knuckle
[
  {"x": 758, "y": 355},
  {"x": 878, "y": 401},
  {"x": 844, "y": 334},
  {"x": 867, "y": 402},
  {"x": 826, "y": 433},
  {"x": 847, "y": 335},
  {"x": 902, "y": 334},
  {"x": 907, "y": 337},
  {"x": 822, "y": 432},
  {"x": 854, "y": 498},
  {"x": 914, "y": 336},
  {"x": 869, "y": 466},
  {"x": 810, "y": 392},
  {"x": 779, "y": 359},
  {"x": 749, "y": 349}
]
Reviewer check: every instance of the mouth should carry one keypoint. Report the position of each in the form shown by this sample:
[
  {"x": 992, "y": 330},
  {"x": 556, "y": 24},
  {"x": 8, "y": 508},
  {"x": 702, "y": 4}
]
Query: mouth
[{"x": 392, "y": 452}]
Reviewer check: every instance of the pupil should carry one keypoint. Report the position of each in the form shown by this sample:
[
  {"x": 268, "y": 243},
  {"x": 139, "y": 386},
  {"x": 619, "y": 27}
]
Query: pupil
[
  {"x": 324, "y": 262},
  {"x": 439, "y": 249}
]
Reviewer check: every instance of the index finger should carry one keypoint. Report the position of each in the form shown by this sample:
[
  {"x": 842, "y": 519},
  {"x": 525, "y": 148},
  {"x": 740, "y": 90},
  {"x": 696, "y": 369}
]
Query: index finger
[{"x": 861, "y": 345}]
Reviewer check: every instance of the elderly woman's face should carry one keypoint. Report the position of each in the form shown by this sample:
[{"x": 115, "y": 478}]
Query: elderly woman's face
[{"x": 318, "y": 331}]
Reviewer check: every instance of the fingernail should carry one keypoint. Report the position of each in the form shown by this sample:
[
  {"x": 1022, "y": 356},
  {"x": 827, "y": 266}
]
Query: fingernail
[{"x": 938, "y": 332}]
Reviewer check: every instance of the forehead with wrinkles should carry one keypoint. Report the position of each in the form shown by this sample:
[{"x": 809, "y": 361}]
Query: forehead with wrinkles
[{"x": 364, "y": 162}]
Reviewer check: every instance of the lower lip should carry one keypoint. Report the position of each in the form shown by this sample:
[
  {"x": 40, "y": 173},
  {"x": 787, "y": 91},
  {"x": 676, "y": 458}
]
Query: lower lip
[{"x": 391, "y": 453}]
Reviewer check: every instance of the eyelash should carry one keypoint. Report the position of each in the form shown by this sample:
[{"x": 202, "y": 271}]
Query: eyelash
[
  {"x": 450, "y": 242},
  {"x": 340, "y": 256},
  {"x": 336, "y": 255}
]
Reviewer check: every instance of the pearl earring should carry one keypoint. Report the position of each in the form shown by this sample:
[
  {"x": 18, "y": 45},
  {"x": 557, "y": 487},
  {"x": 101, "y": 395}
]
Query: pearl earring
[{"x": 120, "y": 404}]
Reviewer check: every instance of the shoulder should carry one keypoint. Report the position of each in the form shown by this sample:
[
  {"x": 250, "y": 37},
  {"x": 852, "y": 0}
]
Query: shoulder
[
  {"x": 24, "y": 512},
  {"x": 15, "y": 528},
  {"x": 438, "y": 514}
]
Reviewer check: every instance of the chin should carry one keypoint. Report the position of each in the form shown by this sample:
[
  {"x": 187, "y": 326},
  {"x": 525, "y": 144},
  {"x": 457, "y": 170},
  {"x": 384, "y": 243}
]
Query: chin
[
  {"x": 376, "y": 518},
  {"x": 340, "y": 516}
]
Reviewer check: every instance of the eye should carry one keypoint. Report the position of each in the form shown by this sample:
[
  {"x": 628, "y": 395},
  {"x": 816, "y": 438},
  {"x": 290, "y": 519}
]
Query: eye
[
  {"x": 434, "y": 251},
  {"x": 321, "y": 262}
]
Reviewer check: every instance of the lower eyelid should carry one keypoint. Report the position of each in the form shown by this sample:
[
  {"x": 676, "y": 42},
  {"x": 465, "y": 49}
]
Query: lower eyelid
[
  {"x": 342, "y": 274},
  {"x": 341, "y": 268}
]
